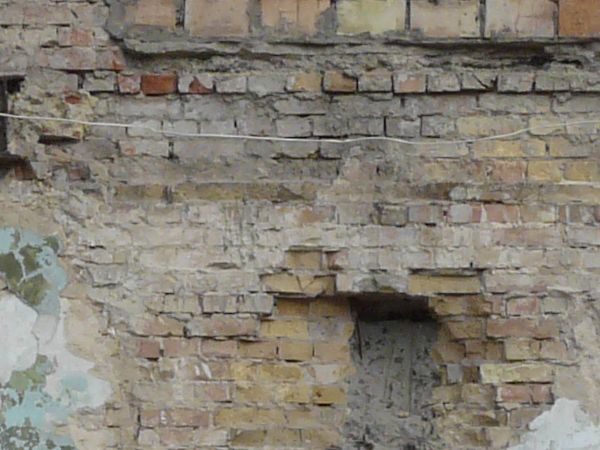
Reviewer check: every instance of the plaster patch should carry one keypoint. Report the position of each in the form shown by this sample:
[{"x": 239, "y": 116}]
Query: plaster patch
[
  {"x": 565, "y": 427},
  {"x": 41, "y": 382},
  {"x": 16, "y": 323}
]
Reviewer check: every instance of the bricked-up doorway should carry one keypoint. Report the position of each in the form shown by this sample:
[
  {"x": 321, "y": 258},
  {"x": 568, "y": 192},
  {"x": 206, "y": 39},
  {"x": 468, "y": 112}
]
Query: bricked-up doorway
[{"x": 389, "y": 395}]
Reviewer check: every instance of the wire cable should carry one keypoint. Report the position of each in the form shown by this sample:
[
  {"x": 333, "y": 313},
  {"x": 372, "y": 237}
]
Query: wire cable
[{"x": 33, "y": 118}]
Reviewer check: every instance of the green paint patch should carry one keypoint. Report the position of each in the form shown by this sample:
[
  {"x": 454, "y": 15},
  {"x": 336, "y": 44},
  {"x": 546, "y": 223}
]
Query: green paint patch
[
  {"x": 11, "y": 268},
  {"x": 33, "y": 290},
  {"x": 31, "y": 378},
  {"x": 30, "y": 256}
]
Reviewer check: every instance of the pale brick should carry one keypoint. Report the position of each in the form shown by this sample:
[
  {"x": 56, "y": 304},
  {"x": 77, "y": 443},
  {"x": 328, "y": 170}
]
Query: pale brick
[
  {"x": 213, "y": 18},
  {"x": 461, "y": 18},
  {"x": 579, "y": 18},
  {"x": 160, "y": 13},
  {"x": 305, "y": 82},
  {"x": 293, "y": 16},
  {"x": 406, "y": 83},
  {"x": 520, "y": 18},
  {"x": 443, "y": 284},
  {"x": 370, "y": 16},
  {"x": 516, "y": 82}
]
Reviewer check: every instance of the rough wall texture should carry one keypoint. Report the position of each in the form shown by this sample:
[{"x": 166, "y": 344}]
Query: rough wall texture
[{"x": 199, "y": 297}]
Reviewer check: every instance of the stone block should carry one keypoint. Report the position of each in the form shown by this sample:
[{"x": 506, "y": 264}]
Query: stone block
[
  {"x": 258, "y": 350},
  {"x": 232, "y": 84},
  {"x": 371, "y": 16},
  {"x": 290, "y": 350},
  {"x": 516, "y": 82},
  {"x": 376, "y": 81},
  {"x": 263, "y": 85},
  {"x": 293, "y": 16},
  {"x": 460, "y": 18},
  {"x": 545, "y": 171},
  {"x": 292, "y": 329},
  {"x": 443, "y": 82},
  {"x": 217, "y": 18},
  {"x": 328, "y": 395},
  {"x": 579, "y": 18},
  {"x": 520, "y": 18}
]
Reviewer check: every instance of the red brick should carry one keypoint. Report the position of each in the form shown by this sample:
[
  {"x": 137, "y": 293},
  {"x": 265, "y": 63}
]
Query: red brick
[
  {"x": 212, "y": 18},
  {"x": 129, "y": 84},
  {"x": 554, "y": 350},
  {"x": 579, "y": 18},
  {"x": 161, "y": 13},
  {"x": 520, "y": 18},
  {"x": 293, "y": 16},
  {"x": 149, "y": 349},
  {"x": 159, "y": 84}
]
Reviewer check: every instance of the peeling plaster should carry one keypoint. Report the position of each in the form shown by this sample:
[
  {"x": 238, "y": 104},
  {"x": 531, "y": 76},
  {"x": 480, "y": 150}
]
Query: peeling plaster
[
  {"x": 565, "y": 427},
  {"x": 41, "y": 382}
]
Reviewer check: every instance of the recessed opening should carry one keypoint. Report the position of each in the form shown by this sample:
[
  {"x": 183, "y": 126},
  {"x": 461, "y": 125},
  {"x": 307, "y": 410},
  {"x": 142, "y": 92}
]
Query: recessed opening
[{"x": 389, "y": 395}]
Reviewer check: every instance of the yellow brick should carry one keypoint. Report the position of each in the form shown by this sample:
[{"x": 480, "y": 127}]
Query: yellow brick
[
  {"x": 246, "y": 392},
  {"x": 443, "y": 284},
  {"x": 330, "y": 307},
  {"x": 249, "y": 438},
  {"x": 279, "y": 372},
  {"x": 542, "y": 126},
  {"x": 521, "y": 349},
  {"x": 242, "y": 371},
  {"x": 293, "y": 329},
  {"x": 516, "y": 373},
  {"x": 321, "y": 438},
  {"x": 332, "y": 351},
  {"x": 283, "y": 438},
  {"x": 293, "y": 393},
  {"x": 287, "y": 283},
  {"x": 544, "y": 171},
  {"x": 292, "y": 307},
  {"x": 328, "y": 395},
  {"x": 487, "y": 125},
  {"x": 374, "y": 16},
  {"x": 264, "y": 350},
  {"x": 305, "y": 82},
  {"x": 583, "y": 171},
  {"x": 509, "y": 149},
  {"x": 303, "y": 418},
  {"x": 249, "y": 418},
  {"x": 295, "y": 350}
]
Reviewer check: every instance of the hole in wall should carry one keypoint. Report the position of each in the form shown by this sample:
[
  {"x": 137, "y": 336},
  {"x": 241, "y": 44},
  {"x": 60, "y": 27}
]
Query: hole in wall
[{"x": 389, "y": 395}]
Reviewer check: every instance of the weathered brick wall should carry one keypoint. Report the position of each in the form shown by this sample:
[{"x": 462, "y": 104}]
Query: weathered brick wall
[{"x": 209, "y": 281}]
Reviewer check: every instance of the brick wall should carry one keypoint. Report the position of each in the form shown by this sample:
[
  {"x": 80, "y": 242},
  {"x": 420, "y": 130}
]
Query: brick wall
[{"x": 208, "y": 280}]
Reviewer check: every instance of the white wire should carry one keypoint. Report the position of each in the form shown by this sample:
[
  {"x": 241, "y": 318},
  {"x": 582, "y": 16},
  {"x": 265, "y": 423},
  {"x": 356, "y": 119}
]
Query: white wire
[{"x": 34, "y": 118}]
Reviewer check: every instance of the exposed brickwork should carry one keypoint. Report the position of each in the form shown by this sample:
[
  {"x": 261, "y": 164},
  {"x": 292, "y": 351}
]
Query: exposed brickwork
[{"x": 211, "y": 280}]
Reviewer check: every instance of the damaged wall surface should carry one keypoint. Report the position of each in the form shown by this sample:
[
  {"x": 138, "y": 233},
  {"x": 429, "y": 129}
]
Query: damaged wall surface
[{"x": 162, "y": 290}]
